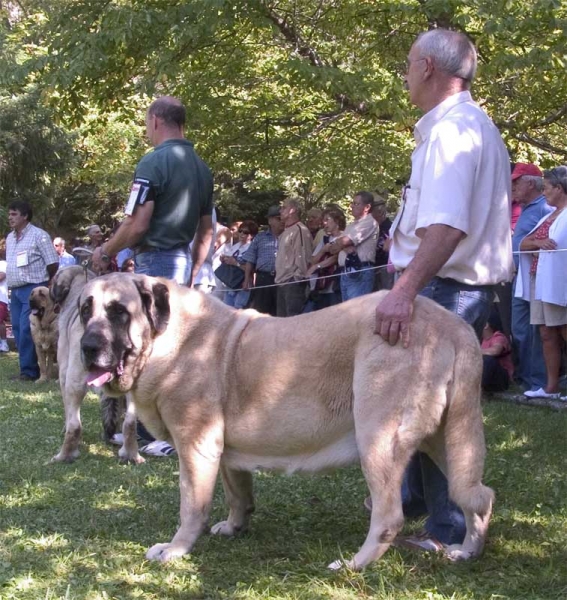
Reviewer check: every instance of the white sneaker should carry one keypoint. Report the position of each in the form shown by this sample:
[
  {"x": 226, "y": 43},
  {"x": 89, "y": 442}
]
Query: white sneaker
[
  {"x": 4, "y": 346},
  {"x": 541, "y": 393}
]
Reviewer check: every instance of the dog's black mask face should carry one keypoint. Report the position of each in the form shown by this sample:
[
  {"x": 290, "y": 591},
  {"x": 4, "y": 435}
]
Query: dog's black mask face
[
  {"x": 38, "y": 301},
  {"x": 121, "y": 315}
]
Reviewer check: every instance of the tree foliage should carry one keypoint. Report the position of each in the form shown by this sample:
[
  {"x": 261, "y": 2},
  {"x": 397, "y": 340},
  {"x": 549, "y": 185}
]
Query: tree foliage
[{"x": 301, "y": 95}]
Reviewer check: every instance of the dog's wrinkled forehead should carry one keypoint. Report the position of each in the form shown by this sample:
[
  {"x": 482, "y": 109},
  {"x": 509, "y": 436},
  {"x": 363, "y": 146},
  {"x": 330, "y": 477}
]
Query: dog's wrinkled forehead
[{"x": 112, "y": 290}]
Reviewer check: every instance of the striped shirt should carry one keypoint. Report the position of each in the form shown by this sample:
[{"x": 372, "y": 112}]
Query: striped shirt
[
  {"x": 33, "y": 251},
  {"x": 262, "y": 252}
]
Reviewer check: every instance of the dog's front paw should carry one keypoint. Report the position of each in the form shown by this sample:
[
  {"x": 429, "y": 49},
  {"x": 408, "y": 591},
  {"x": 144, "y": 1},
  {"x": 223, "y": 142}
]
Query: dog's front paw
[
  {"x": 65, "y": 458},
  {"x": 165, "y": 552},
  {"x": 224, "y": 528},
  {"x": 127, "y": 458},
  {"x": 455, "y": 553}
]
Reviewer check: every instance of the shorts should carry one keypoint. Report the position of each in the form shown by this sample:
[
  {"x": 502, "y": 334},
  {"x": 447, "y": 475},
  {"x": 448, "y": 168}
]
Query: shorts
[{"x": 545, "y": 313}]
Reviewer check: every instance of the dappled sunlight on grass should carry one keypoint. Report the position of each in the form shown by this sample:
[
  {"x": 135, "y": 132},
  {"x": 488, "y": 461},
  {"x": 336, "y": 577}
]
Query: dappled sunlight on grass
[{"x": 82, "y": 530}]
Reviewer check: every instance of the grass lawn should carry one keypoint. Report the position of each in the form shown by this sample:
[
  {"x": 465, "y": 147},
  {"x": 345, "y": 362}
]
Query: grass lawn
[{"x": 81, "y": 530}]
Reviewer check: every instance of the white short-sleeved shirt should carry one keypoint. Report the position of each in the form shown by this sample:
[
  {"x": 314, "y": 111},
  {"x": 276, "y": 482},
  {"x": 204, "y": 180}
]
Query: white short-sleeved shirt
[
  {"x": 460, "y": 177},
  {"x": 363, "y": 233}
]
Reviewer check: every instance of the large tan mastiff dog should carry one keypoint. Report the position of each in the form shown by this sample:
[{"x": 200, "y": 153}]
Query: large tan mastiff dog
[
  {"x": 240, "y": 391},
  {"x": 65, "y": 291}
]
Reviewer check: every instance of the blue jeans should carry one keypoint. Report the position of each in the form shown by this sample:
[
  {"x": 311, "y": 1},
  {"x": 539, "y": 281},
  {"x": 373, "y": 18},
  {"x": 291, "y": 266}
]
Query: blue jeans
[
  {"x": 527, "y": 346},
  {"x": 425, "y": 489},
  {"x": 357, "y": 283},
  {"x": 171, "y": 264},
  {"x": 20, "y": 312},
  {"x": 237, "y": 299}
]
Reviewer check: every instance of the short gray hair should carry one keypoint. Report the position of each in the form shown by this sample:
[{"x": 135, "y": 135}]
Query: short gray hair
[
  {"x": 535, "y": 180},
  {"x": 294, "y": 203},
  {"x": 452, "y": 52},
  {"x": 557, "y": 177}
]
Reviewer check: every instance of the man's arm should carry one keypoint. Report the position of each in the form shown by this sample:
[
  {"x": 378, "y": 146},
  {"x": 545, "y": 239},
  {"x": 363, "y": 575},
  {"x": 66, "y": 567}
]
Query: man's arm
[
  {"x": 393, "y": 314},
  {"x": 130, "y": 232},
  {"x": 249, "y": 270},
  {"x": 201, "y": 245}
]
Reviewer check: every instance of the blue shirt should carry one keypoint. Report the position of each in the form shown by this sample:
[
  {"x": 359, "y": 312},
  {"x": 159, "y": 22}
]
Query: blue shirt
[
  {"x": 262, "y": 252},
  {"x": 66, "y": 260},
  {"x": 531, "y": 215}
]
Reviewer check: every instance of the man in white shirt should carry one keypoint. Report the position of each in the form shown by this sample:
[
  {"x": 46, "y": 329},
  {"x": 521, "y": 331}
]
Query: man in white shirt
[
  {"x": 451, "y": 238},
  {"x": 357, "y": 248}
]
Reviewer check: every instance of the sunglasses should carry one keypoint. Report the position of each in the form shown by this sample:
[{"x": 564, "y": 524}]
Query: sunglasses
[{"x": 245, "y": 231}]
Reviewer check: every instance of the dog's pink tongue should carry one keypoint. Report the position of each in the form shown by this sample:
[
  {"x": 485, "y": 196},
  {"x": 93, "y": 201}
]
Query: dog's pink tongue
[{"x": 98, "y": 377}]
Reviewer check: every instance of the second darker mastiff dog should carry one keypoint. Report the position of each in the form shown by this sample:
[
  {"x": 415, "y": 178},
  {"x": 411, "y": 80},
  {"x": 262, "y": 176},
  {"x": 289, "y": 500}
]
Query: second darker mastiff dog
[
  {"x": 238, "y": 391},
  {"x": 65, "y": 291},
  {"x": 44, "y": 331}
]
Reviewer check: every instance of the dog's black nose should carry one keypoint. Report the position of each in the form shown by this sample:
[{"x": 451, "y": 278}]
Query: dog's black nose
[{"x": 92, "y": 345}]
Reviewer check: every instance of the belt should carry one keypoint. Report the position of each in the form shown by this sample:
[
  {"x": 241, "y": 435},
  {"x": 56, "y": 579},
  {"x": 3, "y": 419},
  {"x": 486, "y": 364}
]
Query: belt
[
  {"x": 147, "y": 248},
  {"x": 362, "y": 264},
  {"x": 268, "y": 273}
]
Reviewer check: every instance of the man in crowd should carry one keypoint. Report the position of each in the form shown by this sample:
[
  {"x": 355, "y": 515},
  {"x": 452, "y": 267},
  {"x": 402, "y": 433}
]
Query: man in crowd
[
  {"x": 260, "y": 258},
  {"x": 94, "y": 234},
  {"x": 31, "y": 262},
  {"x": 314, "y": 223},
  {"x": 295, "y": 248},
  {"x": 527, "y": 188},
  {"x": 451, "y": 239},
  {"x": 65, "y": 259},
  {"x": 170, "y": 202},
  {"x": 383, "y": 280},
  {"x": 357, "y": 249}
]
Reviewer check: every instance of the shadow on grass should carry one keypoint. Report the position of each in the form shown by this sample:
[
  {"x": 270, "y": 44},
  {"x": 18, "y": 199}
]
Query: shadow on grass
[{"x": 83, "y": 529}]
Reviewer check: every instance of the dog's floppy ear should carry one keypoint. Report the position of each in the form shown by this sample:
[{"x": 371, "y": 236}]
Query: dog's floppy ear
[{"x": 155, "y": 300}]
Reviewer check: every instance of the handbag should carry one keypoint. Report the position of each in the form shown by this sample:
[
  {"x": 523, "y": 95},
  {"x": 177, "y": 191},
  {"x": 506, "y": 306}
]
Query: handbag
[{"x": 230, "y": 275}]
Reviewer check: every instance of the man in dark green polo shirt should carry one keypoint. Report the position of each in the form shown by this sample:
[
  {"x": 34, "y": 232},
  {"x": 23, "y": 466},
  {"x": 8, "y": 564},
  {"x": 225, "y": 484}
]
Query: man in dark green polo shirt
[{"x": 170, "y": 202}]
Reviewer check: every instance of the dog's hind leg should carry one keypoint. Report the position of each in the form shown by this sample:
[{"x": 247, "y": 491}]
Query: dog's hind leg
[
  {"x": 129, "y": 450},
  {"x": 238, "y": 490},
  {"x": 463, "y": 448},
  {"x": 384, "y": 455}
]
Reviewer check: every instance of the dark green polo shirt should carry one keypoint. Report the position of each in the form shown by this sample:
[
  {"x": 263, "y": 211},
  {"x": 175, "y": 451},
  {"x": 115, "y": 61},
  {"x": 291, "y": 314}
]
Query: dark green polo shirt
[{"x": 182, "y": 186}]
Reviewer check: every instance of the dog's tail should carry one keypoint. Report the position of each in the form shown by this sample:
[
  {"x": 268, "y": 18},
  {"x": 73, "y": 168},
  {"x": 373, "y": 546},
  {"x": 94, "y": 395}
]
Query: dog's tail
[
  {"x": 112, "y": 410},
  {"x": 464, "y": 433}
]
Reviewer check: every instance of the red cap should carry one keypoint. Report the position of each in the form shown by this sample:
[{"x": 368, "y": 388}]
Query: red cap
[{"x": 525, "y": 169}]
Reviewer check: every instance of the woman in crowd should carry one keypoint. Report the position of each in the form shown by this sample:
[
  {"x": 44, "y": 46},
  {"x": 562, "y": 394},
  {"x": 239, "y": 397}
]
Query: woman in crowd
[
  {"x": 223, "y": 243},
  {"x": 325, "y": 288},
  {"x": 542, "y": 278},
  {"x": 246, "y": 233}
]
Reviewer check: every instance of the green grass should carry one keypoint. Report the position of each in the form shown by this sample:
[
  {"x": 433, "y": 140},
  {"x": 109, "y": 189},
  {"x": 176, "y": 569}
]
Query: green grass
[{"x": 81, "y": 530}]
